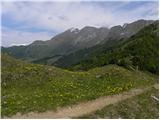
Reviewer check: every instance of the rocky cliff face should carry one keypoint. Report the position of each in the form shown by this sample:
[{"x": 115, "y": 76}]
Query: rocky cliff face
[{"x": 127, "y": 30}]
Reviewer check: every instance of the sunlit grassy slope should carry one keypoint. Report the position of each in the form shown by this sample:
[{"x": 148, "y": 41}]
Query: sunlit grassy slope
[{"x": 29, "y": 87}]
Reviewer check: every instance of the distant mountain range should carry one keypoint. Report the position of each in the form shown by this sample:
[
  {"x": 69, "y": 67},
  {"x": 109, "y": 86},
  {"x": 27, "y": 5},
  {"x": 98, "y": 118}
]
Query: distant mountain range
[{"x": 72, "y": 40}]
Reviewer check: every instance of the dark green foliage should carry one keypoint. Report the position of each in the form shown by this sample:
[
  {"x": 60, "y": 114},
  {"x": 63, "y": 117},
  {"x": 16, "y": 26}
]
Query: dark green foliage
[{"x": 140, "y": 51}]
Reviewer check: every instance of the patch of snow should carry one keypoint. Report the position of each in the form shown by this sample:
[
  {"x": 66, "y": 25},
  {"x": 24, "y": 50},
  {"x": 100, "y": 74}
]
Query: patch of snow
[
  {"x": 14, "y": 44},
  {"x": 75, "y": 30},
  {"x": 124, "y": 25},
  {"x": 97, "y": 42},
  {"x": 122, "y": 33},
  {"x": 72, "y": 29}
]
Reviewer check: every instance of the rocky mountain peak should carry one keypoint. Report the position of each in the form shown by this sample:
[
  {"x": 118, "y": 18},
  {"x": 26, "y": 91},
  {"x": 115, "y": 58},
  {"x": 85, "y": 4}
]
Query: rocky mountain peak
[{"x": 74, "y": 30}]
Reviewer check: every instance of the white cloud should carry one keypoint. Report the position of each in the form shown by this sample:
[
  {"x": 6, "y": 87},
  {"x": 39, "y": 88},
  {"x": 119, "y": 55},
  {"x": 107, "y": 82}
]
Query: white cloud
[
  {"x": 63, "y": 15},
  {"x": 59, "y": 16},
  {"x": 13, "y": 37}
]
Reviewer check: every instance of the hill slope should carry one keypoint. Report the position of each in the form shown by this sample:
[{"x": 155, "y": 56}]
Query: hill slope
[
  {"x": 29, "y": 87},
  {"x": 137, "y": 52}
]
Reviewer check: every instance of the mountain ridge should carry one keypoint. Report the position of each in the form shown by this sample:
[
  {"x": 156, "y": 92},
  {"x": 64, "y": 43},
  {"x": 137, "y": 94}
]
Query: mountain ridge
[
  {"x": 140, "y": 51},
  {"x": 68, "y": 41}
]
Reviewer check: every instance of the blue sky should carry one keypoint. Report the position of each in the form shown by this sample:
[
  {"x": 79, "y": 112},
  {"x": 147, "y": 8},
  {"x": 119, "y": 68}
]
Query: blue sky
[{"x": 25, "y": 22}]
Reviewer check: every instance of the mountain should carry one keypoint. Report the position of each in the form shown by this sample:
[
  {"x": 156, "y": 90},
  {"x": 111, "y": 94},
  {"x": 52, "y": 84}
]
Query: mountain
[
  {"x": 72, "y": 40},
  {"x": 140, "y": 51},
  {"x": 30, "y": 87},
  {"x": 64, "y": 43},
  {"x": 74, "y": 58},
  {"x": 127, "y": 30}
]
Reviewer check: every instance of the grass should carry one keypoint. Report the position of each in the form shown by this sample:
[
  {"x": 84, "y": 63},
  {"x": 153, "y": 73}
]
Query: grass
[
  {"x": 139, "y": 107},
  {"x": 28, "y": 87}
]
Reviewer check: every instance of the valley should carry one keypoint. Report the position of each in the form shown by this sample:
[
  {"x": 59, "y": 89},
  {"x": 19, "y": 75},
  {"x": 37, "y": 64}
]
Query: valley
[{"x": 79, "y": 67}]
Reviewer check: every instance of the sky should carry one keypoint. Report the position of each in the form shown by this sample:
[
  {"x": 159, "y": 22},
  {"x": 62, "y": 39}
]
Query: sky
[{"x": 23, "y": 22}]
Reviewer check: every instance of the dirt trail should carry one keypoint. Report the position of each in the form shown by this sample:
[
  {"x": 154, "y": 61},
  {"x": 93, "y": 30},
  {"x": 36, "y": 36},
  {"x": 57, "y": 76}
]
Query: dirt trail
[{"x": 83, "y": 108}]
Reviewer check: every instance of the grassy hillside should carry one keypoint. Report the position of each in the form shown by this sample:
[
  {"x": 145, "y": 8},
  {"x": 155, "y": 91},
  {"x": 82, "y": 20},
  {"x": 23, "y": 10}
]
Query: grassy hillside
[
  {"x": 139, "y": 107},
  {"x": 138, "y": 52},
  {"x": 29, "y": 87}
]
